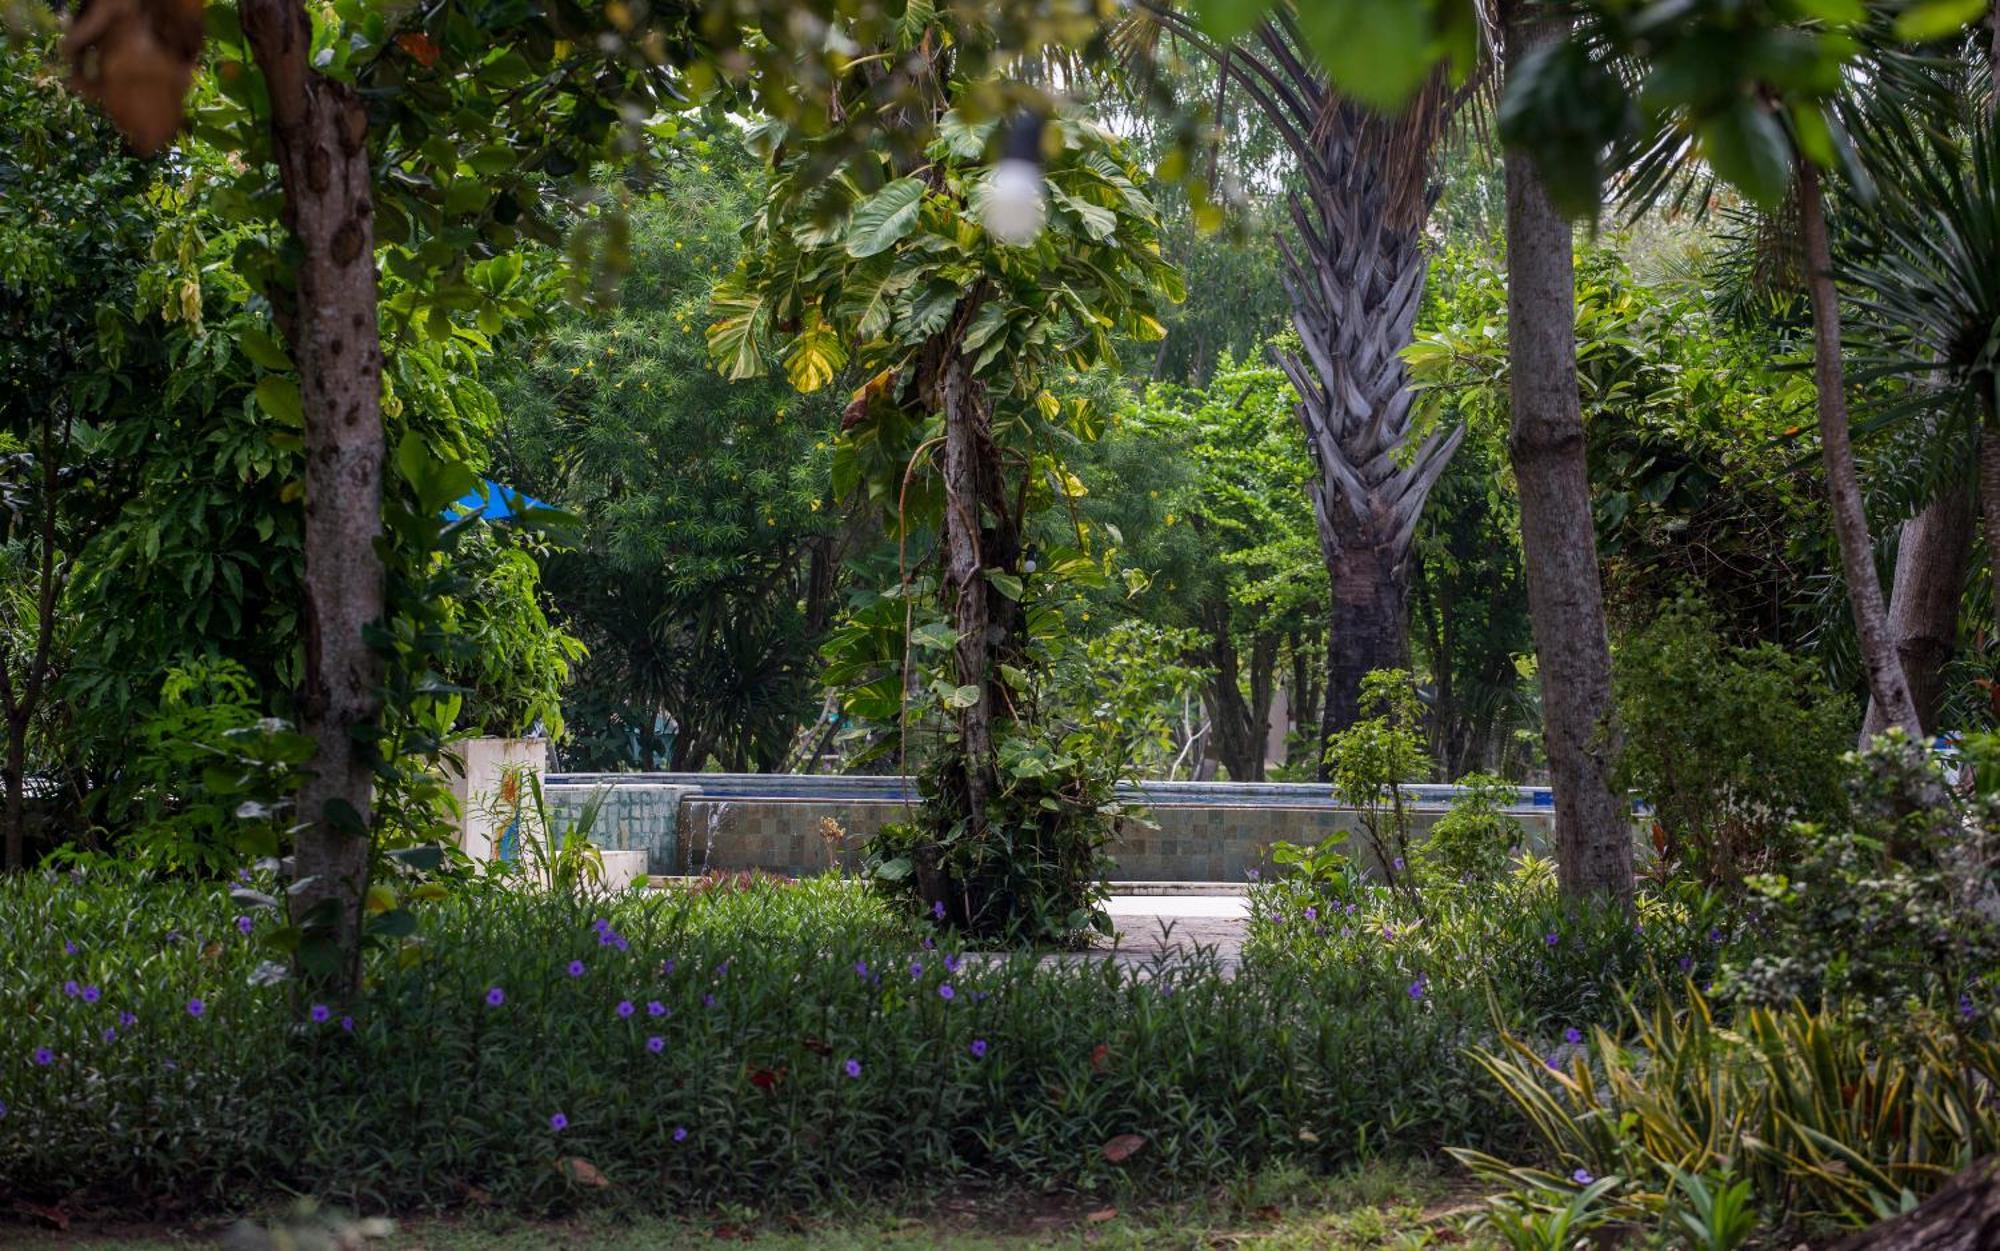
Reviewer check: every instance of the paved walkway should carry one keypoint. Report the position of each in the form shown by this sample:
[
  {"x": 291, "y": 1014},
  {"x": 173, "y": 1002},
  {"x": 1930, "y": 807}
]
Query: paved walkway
[{"x": 1162, "y": 929}]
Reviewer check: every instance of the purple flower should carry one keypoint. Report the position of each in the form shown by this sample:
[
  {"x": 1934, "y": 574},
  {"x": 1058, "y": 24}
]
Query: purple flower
[
  {"x": 576, "y": 968},
  {"x": 43, "y": 1057},
  {"x": 625, "y": 1009},
  {"x": 110, "y": 1034},
  {"x": 559, "y": 1122},
  {"x": 1965, "y": 1008},
  {"x": 1252, "y": 875},
  {"x": 91, "y": 994},
  {"x": 951, "y": 964},
  {"x": 978, "y": 1048},
  {"x": 126, "y": 1020},
  {"x": 945, "y": 991},
  {"x": 861, "y": 968},
  {"x": 937, "y": 909},
  {"x": 1552, "y": 1066},
  {"x": 3, "y": 1109},
  {"x": 708, "y": 1001},
  {"x": 656, "y": 1044},
  {"x": 600, "y": 925},
  {"x": 1417, "y": 987},
  {"x": 916, "y": 969},
  {"x": 347, "y": 1024},
  {"x": 1572, "y": 1035},
  {"x": 196, "y": 1007},
  {"x": 655, "y": 1008},
  {"x": 69, "y": 947},
  {"x": 242, "y": 875},
  {"x": 320, "y": 1014},
  {"x": 722, "y": 970},
  {"x": 618, "y": 941},
  {"x": 244, "y": 925},
  {"x": 1312, "y": 914},
  {"x": 605, "y": 938},
  {"x": 929, "y": 943},
  {"x": 1399, "y": 864},
  {"x": 1551, "y": 938},
  {"x": 680, "y": 1133},
  {"x": 1582, "y": 1177},
  {"x": 71, "y": 989},
  {"x": 1715, "y": 936},
  {"x": 495, "y": 996},
  {"x": 666, "y": 967},
  {"x": 1389, "y": 933},
  {"x": 1686, "y": 963},
  {"x": 853, "y": 1067}
]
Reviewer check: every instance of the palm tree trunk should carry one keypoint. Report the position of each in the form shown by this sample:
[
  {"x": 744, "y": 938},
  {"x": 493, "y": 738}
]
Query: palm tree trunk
[
  {"x": 1368, "y": 629},
  {"x": 1558, "y": 538},
  {"x": 319, "y": 132},
  {"x": 1931, "y": 564},
  {"x": 1887, "y": 688}
]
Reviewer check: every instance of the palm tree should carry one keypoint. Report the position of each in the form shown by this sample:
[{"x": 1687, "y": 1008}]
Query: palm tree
[{"x": 1354, "y": 277}]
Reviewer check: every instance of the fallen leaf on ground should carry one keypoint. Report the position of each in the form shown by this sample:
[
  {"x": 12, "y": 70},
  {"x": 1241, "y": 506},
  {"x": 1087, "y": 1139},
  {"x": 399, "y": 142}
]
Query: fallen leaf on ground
[
  {"x": 581, "y": 1171},
  {"x": 1123, "y": 1147},
  {"x": 1102, "y": 1215}
]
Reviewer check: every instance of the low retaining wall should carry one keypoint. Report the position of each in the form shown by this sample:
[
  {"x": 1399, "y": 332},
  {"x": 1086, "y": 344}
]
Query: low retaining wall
[{"x": 1207, "y": 832}]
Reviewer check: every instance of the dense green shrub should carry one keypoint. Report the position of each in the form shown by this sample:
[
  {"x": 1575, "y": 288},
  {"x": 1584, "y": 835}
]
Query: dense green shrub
[
  {"x": 1730, "y": 745},
  {"x": 474, "y": 1036},
  {"x": 1894, "y": 910},
  {"x": 1469, "y": 846},
  {"x": 1554, "y": 966}
]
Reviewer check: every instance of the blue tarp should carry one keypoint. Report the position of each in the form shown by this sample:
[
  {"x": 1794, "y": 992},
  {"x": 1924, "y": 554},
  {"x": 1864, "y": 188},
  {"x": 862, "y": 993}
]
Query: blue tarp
[{"x": 493, "y": 502}]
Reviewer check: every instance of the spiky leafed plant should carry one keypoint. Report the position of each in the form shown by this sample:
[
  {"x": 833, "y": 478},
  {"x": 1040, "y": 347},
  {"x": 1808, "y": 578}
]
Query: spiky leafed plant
[{"x": 1354, "y": 277}]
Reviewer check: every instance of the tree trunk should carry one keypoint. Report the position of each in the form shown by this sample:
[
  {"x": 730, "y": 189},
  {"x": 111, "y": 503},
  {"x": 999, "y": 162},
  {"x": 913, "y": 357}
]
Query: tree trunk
[
  {"x": 1964, "y": 1216},
  {"x": 1558, "y": 538},
  {"x": 1368, "y": 629},
  {"x": 1239, "y": 726},
  {"x": 319, "y": 140},
  {"x": 1931, "y": 564},
  {"x": 1887, "y": 689}
]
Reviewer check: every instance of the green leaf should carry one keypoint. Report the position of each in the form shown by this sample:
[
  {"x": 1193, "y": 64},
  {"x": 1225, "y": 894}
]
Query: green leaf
[
  {"x": 264, "y": 350},
  {"x": 1377, "y": 51},
  {"x": 959, "y": 696},
  {"x": 1935, "y": 19},
  {"x": 1228, "y": 19},
  {"x": 1748, "y": 149},
  {"x": 279, "y": 396},
  {"x": 881, "y": 220},
  {"x": 1005, "y": 583},
  {"x": 895, "y": 870}
]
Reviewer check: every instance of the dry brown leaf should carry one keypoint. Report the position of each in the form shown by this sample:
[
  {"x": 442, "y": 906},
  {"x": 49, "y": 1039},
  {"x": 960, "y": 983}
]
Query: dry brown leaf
[
  {"x": 1102, "y": 1215},
  {"x": 136, "y": 59},
  {"x": 1123, "y": 1147},
  {"x": 581, "y": 1171}
]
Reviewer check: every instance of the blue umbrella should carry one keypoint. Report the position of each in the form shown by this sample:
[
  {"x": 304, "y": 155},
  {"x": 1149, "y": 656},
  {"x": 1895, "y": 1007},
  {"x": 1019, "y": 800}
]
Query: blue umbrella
[{"x": 492, "y": 502}]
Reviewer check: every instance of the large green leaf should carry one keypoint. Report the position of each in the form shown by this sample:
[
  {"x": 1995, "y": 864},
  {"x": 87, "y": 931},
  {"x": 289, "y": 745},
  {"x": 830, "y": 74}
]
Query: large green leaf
[{"x": 881, "y": 220}]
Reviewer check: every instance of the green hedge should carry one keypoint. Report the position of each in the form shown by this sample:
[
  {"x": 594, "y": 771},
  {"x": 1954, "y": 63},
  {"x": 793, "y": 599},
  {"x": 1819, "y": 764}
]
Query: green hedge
[{"x": 738, "y": 1084}]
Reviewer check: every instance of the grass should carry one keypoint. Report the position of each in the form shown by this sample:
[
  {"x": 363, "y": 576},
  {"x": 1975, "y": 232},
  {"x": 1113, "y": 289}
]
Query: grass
[{"x": 1375, "y": 1206}]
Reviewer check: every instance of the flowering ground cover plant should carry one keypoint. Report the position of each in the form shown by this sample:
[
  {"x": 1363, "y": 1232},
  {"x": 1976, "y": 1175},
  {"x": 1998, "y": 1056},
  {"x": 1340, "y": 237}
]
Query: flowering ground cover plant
[{"x": 781, "y": 1042}]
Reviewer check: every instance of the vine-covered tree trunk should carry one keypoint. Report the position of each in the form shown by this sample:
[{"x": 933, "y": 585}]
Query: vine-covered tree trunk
[
  {"x": 319, "y": 133},
  {"x": 1558, "y": 537},
  {"x": 1887, "y": 688},
  {"x": 1931, "y": 566}
]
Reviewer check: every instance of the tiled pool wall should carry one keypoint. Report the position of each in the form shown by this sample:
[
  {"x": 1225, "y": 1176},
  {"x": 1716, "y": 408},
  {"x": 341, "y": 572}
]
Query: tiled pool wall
[{"x": 685, "y": 831}]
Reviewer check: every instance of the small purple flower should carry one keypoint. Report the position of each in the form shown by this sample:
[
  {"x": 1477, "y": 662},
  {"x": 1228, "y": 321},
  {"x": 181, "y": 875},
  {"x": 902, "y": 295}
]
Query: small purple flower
[
  {"x": 600, "y": 925},
  {"x": 861, "y": 968},
  {"x": 625, "y": 1009},
  {"x": 243, "y": 875},
  {"x": 937, "y": 909},
  {"x": 1252, "y": 875},
  {"x": 110, "y": 1034},
  {"x": 3, "y": 1109},
  {"x": 196, "y": 1007},
  {"x": 43, "y": 1057},
  {"x": 495, "y": 997},
  {"x": 1572, "y": 1035},
  {"x": 1399, "y": 864},
  {"x": 71, "y": 989},
  {"x": 576, "y": 968},
  {"x": 853, "y": 1067},
  {"x": 244, "y": 925},
  {"x": 680, "y": 1133},
  {"x": 1686, "y": 963},
  {"x": 558, "y": 1122},
  {"x": 1312, "y": 914},
  {"x": 606, "y": 937},
  {"x": 1715, "y": 936},
  {"x": 91, "y": 994},
  {"x": 126, "y": 1020},
  {"x": 347, "y": 1025},
  {"x": 1350, "y": 910},
  {"x": 978, "y": 1048},
  {"x": 618, "y": 941},
  {"x": 655, "y": 1008},
  {"x": 916, "y": 969},
  {"x": 1551, "y": 1065},
  {"x": 656, "y": 1044},
  {"x": 1551, "y": 938},
  {"x": 1965, "y": 1008},
  {"x": 320, "y": 1014},
  {"x": 1389, "y": 933},
  {"x": 929, "y": 943},
  {"x": 946, "y": 992},
  {"x": 1582, "y": 1177},
  {"x": 951, "y": 964},
  {"x": 722, "y": 970},
  {"x": 69, "y": 947},
  {"x": 666, "y": 967},
  {"x": 708, "y": 1001},
  {"x": 1417, "y": 987}
]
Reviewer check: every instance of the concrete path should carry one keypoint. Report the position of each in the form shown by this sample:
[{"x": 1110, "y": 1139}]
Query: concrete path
[{"x": 1157, "y": 929}]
